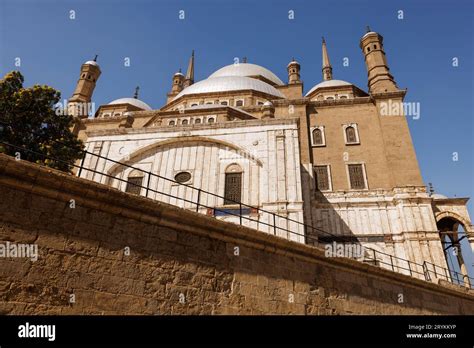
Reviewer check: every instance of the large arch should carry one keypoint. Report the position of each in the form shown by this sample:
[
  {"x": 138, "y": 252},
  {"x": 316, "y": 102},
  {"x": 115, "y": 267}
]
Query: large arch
[
  {"x": 133, "y": 158},
  {"x": 448, "y": 224}
]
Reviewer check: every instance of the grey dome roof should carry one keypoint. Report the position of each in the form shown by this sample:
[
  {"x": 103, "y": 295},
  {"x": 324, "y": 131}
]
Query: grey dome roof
[
  {"x": 328, "y": 83},
  {"x": 229, "y": 83},
  {"x": 247, "y": 69},
  {"x": 132, "y": 101}
]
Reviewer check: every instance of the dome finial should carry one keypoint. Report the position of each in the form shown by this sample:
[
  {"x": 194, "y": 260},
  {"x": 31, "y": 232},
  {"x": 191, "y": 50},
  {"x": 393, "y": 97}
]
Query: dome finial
[
  {"x": 368, "y": 29},
  {"x": 95, "y": 58},
  {"x": 324, "y": 41},
  {"x": 136, "y": 92},
  {"x": 244, "y": 60}
]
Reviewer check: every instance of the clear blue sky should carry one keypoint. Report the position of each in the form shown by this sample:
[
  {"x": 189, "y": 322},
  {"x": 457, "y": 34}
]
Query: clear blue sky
[{"x": 419, "y": 49}]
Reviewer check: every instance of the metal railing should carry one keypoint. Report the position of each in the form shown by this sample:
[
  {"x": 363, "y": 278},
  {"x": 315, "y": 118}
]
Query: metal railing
[{"x": 268, "y": 221}]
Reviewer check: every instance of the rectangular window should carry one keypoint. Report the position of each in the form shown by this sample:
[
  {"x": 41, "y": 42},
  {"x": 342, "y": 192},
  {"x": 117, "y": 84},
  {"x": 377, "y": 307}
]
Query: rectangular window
[
  {"x": 356, "y": 176},
  {"x": 233, "y": 188},
  {"x": 322, "y": 178},
  {"x": 134, "y": 185}
]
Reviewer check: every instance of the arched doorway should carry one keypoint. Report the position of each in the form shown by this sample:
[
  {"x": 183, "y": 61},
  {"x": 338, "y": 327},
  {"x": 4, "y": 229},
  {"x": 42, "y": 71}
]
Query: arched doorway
[{"x": 455, "y": 246}]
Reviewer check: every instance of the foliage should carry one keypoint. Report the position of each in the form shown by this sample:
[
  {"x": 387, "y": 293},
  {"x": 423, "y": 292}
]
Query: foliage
[{"x": 31, "y": 119}]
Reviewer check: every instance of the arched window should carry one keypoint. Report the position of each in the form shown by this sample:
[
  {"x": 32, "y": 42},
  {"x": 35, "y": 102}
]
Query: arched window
[
  {"x": 351, "y": 136},
  {"x": 184, "y": 122},
  {"x": 318, "y": 137},
  {"x": 233, "y": 184},
  {"x": 134, "y": 182},
  {"x": 239, "y": 102},
  {"x": 210, "y": 120},
  {"x": 224, "y": 103},
  {"x": 171, "y": 123},
  {"x": 197, "y": 121},
  {"x": 329, "y": 98}
]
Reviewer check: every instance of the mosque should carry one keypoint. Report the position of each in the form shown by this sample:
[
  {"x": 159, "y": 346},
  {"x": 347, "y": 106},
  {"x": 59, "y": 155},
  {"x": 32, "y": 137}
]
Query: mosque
[{"x": 325, "y": 155}]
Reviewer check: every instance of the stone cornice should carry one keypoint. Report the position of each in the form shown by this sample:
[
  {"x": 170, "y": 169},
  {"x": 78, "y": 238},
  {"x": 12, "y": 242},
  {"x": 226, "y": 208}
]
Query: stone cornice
[{"x": 195, "y": 127}]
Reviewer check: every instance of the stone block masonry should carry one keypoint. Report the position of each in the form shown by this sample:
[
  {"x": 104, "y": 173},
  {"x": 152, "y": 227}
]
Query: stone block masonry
[{"x": 115, "y": 253}]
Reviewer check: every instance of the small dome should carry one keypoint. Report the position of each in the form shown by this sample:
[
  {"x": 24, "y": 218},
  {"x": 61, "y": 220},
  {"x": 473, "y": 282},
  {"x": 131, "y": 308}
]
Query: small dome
[
  {"x": 247, "y": 69},
  {"x": 92, "y": 62},
  {"x": 292, "y": 62},
  {"x": 268, "y": 103},
  {"x": 178, "y": 73},
  {"x": 132, "y": 101},
  {"x": 230, "y": 83},
  {"x": 328, "y": 83}
]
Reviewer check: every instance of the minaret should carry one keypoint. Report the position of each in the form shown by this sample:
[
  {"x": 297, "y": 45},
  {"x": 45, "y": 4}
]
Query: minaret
[
  {"x": 293, "y": 72},
  {"x": 379, "y": 78},
  {"x": 178, "y": 79},
  {"x": 327, "y": 68},
  {"x": 79, "y": 104},
  {"x": 190, "y": 73}
]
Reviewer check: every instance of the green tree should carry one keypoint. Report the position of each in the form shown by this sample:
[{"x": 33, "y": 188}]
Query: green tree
[{"x": 30, "y": 118}]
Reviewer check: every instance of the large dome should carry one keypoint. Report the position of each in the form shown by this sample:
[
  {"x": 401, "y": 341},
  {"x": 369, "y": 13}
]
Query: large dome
[
  {"x": 132, "y": 101},
  {"x": 246, "y": 69},
  {"x": 328, "y": 83},
  {"x": 229, "y": 83}
]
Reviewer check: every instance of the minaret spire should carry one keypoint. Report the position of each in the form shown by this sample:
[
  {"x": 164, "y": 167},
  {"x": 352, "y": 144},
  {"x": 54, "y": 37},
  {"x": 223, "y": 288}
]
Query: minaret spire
[
  {"x": 189, "y": 80},
  {"x": 136, "y": 92},
  {"x": 327, "y": 68}
]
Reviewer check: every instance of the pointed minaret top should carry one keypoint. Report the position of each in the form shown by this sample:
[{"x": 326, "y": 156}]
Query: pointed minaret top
[
  {"x": 136, "y": 92},
  {"x": 95, "y": 58},
  {"x": 190, "y": 73},
  {"x": 368, "y": 29},
  {"x": 327, "y": 69}
]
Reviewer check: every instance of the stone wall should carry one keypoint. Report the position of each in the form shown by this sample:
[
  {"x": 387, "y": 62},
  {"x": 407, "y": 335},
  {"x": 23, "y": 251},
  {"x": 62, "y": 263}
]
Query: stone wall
[{"x": 180, "y": 262}]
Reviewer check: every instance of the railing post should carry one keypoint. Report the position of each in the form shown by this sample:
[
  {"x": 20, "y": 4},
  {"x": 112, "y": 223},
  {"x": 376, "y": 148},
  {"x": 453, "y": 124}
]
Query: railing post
[
  {"x": 447, "y": 277},
  {"x": 198, "y": 200},
  {"x": 409, "y": 267},
  {"x": 391, "y": 261},
  {"x": 457, "y": 278},
  {"x": 426, "y": 271},
  {"x": 274, "y": 224},
  {"x": 240, "y": 208},
  {"x": 375, "y": 258},
  {"x": 82, "y": 163},
  {"x": 148, "y": 184}
]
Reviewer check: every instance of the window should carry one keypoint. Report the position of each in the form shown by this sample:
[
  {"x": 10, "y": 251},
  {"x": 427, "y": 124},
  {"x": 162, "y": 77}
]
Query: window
[
  {"x": 209, "y": 103},
  {"x": 260, "y": 102},
  {"x": 182, "y": 177},
  {"x": 193, "y": 104},
  {"x": 317, "y": 136},
  {"x": 350, "y": 134},
  {"x": 233, "y": 184},
  {"x": 117, "y": 114},
  {"x": 321, "y": 174},
  {"x": 197, "y": 121},
  {"x": 184, "y": 122},
  {"x": 239, "y": 102},
  {"x": 171, "y": 123},
  {"x": 224, "y": 103},
  {"x": 134, "y": 182},
  {"x": 343, "y": 97},
  {"x": 329, "y": 98},
  {"x": 210, "y": 120},
  {"x": 356, "y": 176}
]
